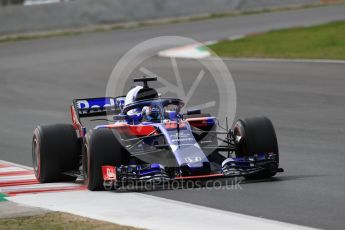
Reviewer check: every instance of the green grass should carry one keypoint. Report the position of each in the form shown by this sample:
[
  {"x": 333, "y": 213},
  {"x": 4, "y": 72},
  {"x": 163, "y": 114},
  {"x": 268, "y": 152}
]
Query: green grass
[
  {"x": 316, "y": 42},
  {"x": 2, "y": 197},
  {"x": 57, "y": 220}
]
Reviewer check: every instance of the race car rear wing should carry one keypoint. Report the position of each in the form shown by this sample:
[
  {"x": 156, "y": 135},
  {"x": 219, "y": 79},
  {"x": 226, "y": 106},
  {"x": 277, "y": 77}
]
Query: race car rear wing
[{"x": 90, "y": 107}]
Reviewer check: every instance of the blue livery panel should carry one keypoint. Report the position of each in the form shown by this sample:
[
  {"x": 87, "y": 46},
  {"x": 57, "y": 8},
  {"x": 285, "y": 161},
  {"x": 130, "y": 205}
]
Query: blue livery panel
[{"x": 93, "y": 106}]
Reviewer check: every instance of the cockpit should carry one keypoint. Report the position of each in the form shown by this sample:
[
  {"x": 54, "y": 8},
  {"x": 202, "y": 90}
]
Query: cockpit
[{"x": 153, "y": 110}]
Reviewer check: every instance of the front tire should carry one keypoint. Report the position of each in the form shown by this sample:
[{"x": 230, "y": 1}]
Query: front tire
[
  {"x": 101, "y": 148},
  {"x": 55, "y": 149},
  {"x": 257, "y": 136}
]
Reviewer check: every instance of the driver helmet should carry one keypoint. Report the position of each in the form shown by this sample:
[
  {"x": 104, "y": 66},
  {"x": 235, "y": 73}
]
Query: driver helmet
[{"x": 151, "y": 113}]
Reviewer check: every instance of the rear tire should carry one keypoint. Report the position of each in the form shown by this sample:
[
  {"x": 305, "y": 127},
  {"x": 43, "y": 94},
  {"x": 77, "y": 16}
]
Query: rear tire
[
  {"x": 101, "y": 148},
  {"x": 257, "y": 136},
  {"x": 55, "y": 149}
]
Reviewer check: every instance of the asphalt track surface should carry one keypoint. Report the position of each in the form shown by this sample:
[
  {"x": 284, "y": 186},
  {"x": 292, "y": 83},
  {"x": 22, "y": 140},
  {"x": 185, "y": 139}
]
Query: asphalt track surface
[{"x": 306, "y": 102}]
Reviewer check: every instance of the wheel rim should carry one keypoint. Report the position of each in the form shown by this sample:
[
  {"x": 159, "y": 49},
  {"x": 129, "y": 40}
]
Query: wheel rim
[
  {"x": 239, "y": 132},
  {"x": 36, "y": 157}
]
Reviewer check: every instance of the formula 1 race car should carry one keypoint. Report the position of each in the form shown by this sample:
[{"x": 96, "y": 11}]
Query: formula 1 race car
[{"x": 144, "y": 137}]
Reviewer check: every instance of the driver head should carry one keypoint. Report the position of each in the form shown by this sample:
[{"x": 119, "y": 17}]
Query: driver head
[{"x": 150, "y": 112}]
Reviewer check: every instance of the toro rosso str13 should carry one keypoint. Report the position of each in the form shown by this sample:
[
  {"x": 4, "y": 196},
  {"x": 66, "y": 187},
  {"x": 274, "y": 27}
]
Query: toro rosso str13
[{"x": 143, "y": 137}]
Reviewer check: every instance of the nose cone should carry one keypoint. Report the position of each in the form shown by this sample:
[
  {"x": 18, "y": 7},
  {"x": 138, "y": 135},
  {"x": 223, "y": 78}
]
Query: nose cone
[{"x": 198, "y": 168}]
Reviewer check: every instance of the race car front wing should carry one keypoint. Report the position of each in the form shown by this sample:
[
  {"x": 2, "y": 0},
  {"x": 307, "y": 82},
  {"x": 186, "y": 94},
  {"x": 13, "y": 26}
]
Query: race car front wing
[{"x": 155, "y": 173}]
